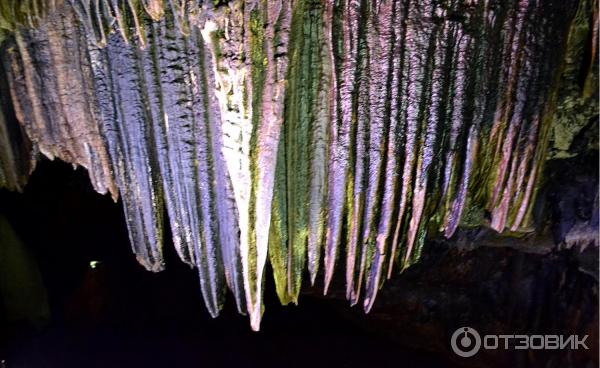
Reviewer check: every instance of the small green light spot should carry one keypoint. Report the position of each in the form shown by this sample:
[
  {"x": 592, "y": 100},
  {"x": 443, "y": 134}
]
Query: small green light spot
[{"x": 94, "y": 264}]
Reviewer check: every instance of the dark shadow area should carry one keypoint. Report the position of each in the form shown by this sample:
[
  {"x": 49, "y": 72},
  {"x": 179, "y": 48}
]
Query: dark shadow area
[{"x": 105, "y": 310}]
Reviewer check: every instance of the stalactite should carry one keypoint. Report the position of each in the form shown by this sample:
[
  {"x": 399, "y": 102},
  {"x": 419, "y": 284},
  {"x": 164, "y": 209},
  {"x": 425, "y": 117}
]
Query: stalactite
[
  {"x": 344, "y": 56},
  {"x": 168, "y": 144},
  {"x": 17, "y": 156},
  {"x": 63, "y": 123},
  {"x": 308, "y": 133}
]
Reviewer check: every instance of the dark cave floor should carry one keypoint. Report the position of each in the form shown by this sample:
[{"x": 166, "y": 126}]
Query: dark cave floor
[
  {"x": 119, "y": 315},
  {"x": 116, "y": 314}
]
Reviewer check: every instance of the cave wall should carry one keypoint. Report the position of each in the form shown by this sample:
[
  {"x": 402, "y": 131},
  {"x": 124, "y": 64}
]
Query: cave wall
[{"x": 308, "y": 134}]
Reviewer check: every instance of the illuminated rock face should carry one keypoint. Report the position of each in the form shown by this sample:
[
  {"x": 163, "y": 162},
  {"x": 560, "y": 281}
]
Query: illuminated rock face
[{"x": 311, "y": 133}]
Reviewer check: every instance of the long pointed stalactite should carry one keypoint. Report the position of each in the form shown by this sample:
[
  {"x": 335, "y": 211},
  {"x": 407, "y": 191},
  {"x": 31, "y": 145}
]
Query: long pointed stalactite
[{"x": 313, "y": 134}]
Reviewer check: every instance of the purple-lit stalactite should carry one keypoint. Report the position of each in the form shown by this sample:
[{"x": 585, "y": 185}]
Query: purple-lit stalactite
[
  {"x": 317, "y": 135},
  {"x": 168, "y": 140}
]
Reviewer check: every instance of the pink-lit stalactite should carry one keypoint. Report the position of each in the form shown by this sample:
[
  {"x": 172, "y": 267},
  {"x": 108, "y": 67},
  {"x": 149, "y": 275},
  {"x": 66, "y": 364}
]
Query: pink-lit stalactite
[
  {"x": 431, "y": 45},
  {"x": 509, "y": 108},
  {"x": 522, "y": 130},
  {"x": 412, "y": 94},
  {"x": 461, "y": 124},
  {"x": 359, "y": 160},
  {"x": 533, "y": 137},
  {"x": 457, "y": 106},
  {"x": 326, "y": 113},
  {"x": 475, "y": 101},
  {"x": 379, "y": 43},
  {"x": 341, "y": 129},
  {"x": 381, "y": 231}
]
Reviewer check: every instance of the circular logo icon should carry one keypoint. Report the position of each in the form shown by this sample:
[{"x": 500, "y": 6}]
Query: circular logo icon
[{"x": 465, "y": 342}]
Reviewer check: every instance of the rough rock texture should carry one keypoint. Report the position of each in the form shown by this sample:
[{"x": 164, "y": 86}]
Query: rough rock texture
[
  {"x": 53, "y": 96},
  {"x": 577, "y": 107},
  {"x": 17, "y": 156},
  {"x": 572, "y": 197},
  {"x": 494, "y": 289},
  {"x": 309, "y": 133}
]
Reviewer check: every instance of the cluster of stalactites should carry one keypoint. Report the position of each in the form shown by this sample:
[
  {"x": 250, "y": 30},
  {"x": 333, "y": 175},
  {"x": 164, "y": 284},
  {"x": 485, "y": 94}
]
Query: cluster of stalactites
[
  {"x": 307, "y": 133},
  {"x": 98, "y": 15}
]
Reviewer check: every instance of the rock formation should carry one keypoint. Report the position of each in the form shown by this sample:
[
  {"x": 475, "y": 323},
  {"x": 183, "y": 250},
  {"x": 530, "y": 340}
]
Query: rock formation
[{"x": 319, "y": 135}]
